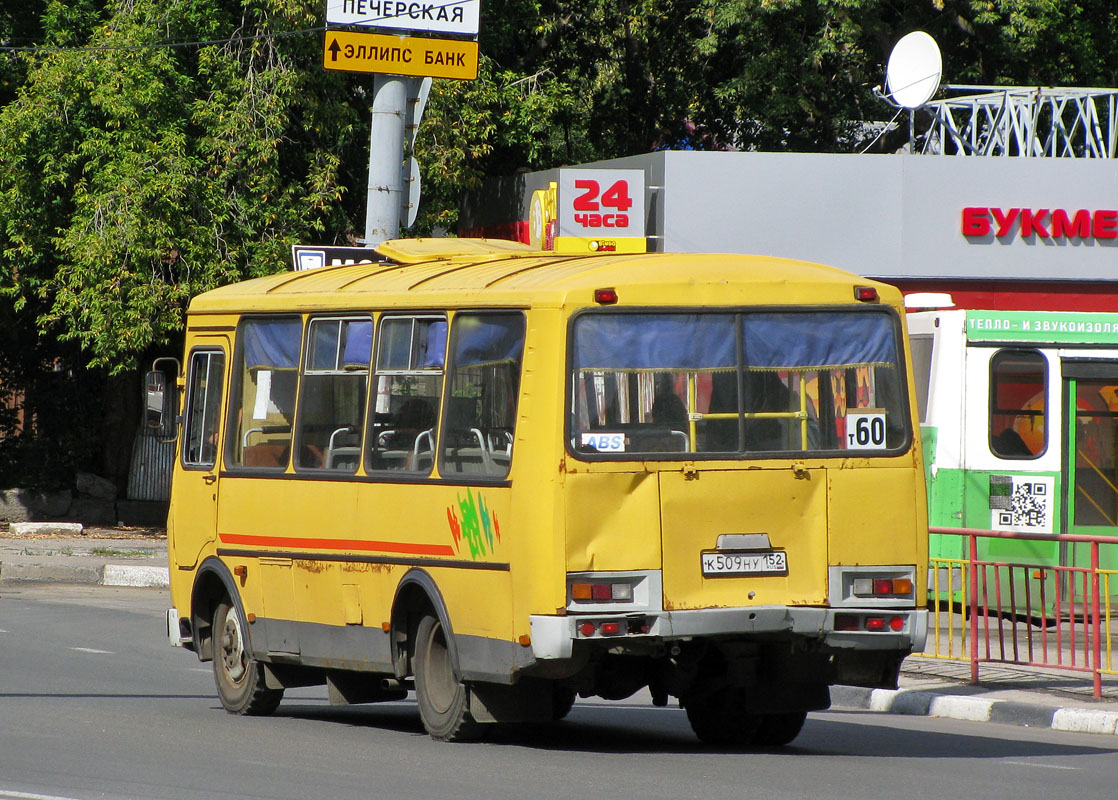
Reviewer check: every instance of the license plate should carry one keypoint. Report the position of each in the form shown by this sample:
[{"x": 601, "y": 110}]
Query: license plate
[{"x": 772, "y": 562}]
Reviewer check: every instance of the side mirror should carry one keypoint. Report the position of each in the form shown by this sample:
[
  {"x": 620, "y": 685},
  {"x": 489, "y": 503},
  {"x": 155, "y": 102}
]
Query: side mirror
[{"x": 155, "y": 394}]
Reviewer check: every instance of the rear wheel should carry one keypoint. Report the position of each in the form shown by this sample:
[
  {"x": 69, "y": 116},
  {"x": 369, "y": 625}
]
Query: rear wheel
[
  {"x": 239, "y": 678},
  {"x": 562, "y": 701},
  {"x": 720, "y": 718},
  {"x": 442, "y": 698},
  {"x": 776, "y": 730}
]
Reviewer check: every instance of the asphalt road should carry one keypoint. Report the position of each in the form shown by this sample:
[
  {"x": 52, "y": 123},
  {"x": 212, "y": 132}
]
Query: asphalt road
[{"x": 95, "y": 704}]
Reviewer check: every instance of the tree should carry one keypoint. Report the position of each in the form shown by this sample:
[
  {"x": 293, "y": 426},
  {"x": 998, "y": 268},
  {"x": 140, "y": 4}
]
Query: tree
[{"x": 140, "y": 168}]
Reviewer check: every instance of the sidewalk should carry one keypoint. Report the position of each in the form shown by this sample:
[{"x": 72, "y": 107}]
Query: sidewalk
[
  {"x": 105, "y": 556},
  {"x": 1006, "y": 693}
]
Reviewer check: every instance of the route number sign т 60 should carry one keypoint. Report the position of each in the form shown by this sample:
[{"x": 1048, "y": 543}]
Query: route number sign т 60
[{"x": 601, "y": 203}]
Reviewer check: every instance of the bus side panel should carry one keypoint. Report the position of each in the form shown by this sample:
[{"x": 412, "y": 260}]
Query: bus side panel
[{"x": 330, "y": 562}]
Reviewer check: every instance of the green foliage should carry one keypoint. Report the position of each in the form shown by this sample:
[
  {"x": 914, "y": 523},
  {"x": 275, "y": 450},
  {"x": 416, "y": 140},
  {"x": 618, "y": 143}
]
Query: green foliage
[{"x": 138, "y": 174}]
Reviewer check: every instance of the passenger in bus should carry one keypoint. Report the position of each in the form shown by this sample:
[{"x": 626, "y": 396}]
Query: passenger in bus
[
  {"x": 668, "y": 410},
  {"x": 415, "y": 416},
  {"x": 1009, "y": 444}
]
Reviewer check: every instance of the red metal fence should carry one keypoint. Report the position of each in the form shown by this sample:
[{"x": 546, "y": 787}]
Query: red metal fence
[{"x": 1054, "y": 616}]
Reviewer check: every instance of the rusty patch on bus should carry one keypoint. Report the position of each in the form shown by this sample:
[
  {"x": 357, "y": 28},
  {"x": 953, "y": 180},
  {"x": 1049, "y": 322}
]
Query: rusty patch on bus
[{"x": 311, "y": 565}]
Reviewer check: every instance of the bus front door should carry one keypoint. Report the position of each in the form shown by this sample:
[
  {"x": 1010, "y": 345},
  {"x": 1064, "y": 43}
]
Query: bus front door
[
  {"x": 194, "y": 495},
  {"x": 1090, "y": 466}
]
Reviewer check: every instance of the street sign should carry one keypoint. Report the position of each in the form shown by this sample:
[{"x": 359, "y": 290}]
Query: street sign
[
  {"x": 418, "y": 92},
  {"x": 432, "y": 16},
  {"x": 304, "y": 257},
  {"x": 400, "y": 55},
  {"x": 409, "y": 206}
]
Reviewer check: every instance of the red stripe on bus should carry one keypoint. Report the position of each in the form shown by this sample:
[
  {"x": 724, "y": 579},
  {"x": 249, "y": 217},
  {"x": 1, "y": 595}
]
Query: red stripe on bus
[{"x": 338, "y": 544}]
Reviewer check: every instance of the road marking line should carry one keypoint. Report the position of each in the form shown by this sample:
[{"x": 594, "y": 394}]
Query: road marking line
[
  {"x": 91, "y": 650},
  {"x": 1042, "y": 766},
  {"x": 31, "y": 796}
]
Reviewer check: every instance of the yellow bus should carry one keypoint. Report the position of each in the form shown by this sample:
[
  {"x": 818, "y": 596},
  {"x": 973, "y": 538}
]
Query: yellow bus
[{"x": 503, "y": 478}]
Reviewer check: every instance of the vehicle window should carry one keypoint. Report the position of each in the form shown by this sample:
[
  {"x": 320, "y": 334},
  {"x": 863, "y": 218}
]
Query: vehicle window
[
  {"x": 921, "y": 348},
  {"x": 333, "y": 393},
  {"x": 405, "y": 405},
  {"x": 262, "y": 407},
  {"x": 203, "y": 408},
  {"x": 1018, "y": 404},
  {"x": 483, "y": 383},
  {"x": 749, "y": 383}
]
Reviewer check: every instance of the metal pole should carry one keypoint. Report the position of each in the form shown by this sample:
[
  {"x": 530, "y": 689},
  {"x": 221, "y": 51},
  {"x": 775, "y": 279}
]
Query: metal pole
[
  {"x": 386, "y": 156},
  {"x": 973, "y": 569}
]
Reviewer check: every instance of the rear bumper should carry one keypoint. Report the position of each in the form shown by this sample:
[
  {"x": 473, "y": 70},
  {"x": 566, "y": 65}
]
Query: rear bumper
[{"x": 553, "y": 637}]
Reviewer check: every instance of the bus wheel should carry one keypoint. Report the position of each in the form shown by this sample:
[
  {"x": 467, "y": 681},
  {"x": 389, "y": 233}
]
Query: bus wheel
[
  {"x": 240, "y": 680},
  {"x": 562, "y": 701},
  {"x": 443, "y": 699},
  {"x": 777, "y": 730},
  {"x": 720, "y": 718}
]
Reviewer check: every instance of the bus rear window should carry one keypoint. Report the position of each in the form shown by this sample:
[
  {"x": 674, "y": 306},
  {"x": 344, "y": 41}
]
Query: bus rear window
[{"x": 736, "y": 384}]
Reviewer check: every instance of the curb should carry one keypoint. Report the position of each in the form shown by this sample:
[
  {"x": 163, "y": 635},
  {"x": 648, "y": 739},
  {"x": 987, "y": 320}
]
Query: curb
[
  {"x": 919, "y": 703},
  {"x": 106, "y": 575}
]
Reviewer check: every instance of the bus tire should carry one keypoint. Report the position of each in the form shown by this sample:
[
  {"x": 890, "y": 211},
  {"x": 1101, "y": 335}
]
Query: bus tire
[
  {"x": 777, "y": 730},
  {"x": 562, "y": 701},
  {"x": 443, "y": 699},
  {"x": 720, "y": 718},
  {"x": 239, "y": 678}
]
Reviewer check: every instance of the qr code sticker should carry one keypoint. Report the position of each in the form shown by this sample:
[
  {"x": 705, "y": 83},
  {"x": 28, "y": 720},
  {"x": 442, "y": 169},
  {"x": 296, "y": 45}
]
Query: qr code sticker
[{"x": 1021, "y": 504}]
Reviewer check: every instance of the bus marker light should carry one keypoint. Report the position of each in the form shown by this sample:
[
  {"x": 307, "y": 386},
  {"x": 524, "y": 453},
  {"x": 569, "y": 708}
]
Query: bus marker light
[
  {"x": 605, "y": 297},
  {"x": 601, "y": 591},
  {"x": 882, "y": 586},
  {"x": 622, "y": 592},
  {"x": 875, "y": 623},
  {"x": 581, "y": 591},
  {"x": 846, "y": 622},
  {"x": 525, "y": 640},
  {"x": 897, "y": 623},
  {"x": 862, "y": 587},
  {"x": 867, "y": 294},
  {"x": 611, "y": 629},
  {"x": 587, "y": 629},
  {"x": 902, "y": 586}
]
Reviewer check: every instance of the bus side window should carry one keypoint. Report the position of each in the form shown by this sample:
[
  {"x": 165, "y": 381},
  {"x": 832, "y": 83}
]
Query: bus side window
[
  {"x": 482, "y": 387},
  {"x": 1018, "y": 404},
  {"x": 332, "y": 393},
  {"x": 262, "y": 407},
  {"x": 408, "y": 386},
  {"x": 203, "y": 408}
]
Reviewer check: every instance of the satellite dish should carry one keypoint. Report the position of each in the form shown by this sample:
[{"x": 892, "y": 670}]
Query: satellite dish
[{"x": 915, "y": 65}]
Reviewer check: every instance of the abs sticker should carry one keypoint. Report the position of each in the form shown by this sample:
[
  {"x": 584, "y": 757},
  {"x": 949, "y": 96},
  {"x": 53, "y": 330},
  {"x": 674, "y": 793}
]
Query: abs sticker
[
  {"x": 865, "y": 429},
  {"x": 605, "y": 442}
]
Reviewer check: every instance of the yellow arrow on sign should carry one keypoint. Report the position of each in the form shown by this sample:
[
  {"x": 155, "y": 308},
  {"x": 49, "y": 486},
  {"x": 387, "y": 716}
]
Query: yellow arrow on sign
[{"x": 400, "y": 55}]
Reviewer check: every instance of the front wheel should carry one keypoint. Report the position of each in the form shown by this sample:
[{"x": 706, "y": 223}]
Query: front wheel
[
  {"x": 442, "y": 698},
  {"x": 239, "y": 678}
]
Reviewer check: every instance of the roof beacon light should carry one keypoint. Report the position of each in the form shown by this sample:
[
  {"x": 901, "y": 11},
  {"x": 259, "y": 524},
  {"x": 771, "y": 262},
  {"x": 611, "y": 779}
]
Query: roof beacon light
[
  {"x": 867, "y": 294},
  {"x": 605, "y": 297}
]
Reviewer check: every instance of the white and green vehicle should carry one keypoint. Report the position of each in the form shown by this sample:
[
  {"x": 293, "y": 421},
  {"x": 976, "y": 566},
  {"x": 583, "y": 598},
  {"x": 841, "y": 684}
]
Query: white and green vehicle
[{"x": 1019, "y": 418}]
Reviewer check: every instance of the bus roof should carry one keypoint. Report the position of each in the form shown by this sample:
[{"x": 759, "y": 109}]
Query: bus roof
[{"x": 470, "y": 272}]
